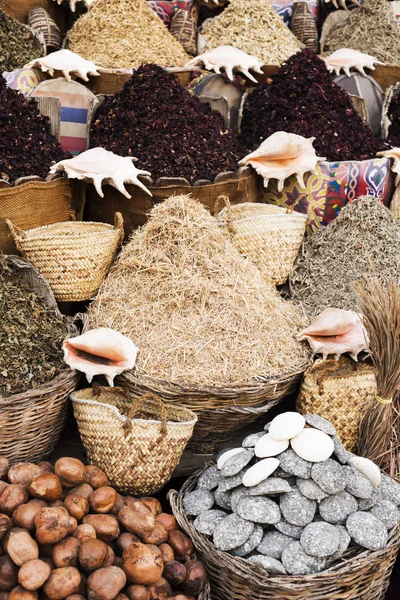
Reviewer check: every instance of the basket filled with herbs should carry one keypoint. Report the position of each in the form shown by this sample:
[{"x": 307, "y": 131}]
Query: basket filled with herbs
[
  {"x": 19, "y": 44},
  {"x": 34, "y": 382}
]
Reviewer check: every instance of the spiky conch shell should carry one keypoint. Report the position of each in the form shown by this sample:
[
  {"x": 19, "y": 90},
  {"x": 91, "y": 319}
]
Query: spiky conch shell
[
  {"x": 347, "y": 58},
  {"x": 67, "y": 62},
  {"x": 229, "y": 59}
]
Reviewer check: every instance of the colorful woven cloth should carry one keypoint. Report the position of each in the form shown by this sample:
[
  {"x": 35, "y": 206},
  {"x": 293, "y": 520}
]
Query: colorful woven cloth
[
  {"x": 165, "y": 9},
  {"x": 23, "y": 80},
  {"x": 285, "y": 8}
]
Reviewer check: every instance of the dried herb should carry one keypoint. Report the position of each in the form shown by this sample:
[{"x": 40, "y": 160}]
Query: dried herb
[
  {"x": 171, "y": 133},
  {"x": 394, "y": 117},
  {"x": 302, "y": 98},
  {"x": 26, "y": 145},
  {"x": 363, "y": 239},
  {"x": 17, "y": 45},
  {"x": 31, "y": 336}
]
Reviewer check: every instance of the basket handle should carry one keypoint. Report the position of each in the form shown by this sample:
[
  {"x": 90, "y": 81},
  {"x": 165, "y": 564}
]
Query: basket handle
[
  {"x": 290, "y": 209},
  {"x": 137, "y": 406},
  {"x": 17, "y": 234},
  {"x": 119, "y": 223},
  {"x": 224, "y": 200}
]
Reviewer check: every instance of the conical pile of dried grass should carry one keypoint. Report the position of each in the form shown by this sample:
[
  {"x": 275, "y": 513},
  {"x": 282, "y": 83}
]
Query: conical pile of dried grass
[
  {"x": 199, "y": 312},
  {"x": 125, "y": 34}
]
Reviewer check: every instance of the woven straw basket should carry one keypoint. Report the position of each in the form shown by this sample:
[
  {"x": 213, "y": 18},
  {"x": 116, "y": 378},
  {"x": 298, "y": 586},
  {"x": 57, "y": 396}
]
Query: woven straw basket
[
  {"x": 269, "y": 235},
  {"x": 395, "y": 202},
  {"x": 338, "y": 391},
  {"x": 135, "y": 447},
  {"x": 359, "y": 575},
  {"x": 31, "y": 422},
  {"x": 73, "y": 256}
]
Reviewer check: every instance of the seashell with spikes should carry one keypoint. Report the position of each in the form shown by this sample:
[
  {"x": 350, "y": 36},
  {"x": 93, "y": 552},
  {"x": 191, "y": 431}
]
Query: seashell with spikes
[
  {"x": 73, "y": 3},
  {"x": 101, "y": 167},
  {"x": 336, "y": 331},
  {"x": 393, "y": 153},
  {"x": 67, "y": 62},
  {"x": 342, "y": 3},
  {"x": 282, "y": 155},
  {"x": 229, "y": 59},
  {"x": 347, "y": 58}
]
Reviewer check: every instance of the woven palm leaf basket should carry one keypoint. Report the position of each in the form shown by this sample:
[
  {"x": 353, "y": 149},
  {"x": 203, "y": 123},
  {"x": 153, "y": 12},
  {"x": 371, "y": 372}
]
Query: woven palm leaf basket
[{"x": 359, "y": 575}]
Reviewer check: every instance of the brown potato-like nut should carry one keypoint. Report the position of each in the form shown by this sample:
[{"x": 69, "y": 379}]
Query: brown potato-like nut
[
  {"x": 167, "y": 520},
  {"x": 46, "y": 467},
  {"x": 125, "y": 540},
  {"x": 47, "y": 487},
  {"x": 92, "y": 554},
  {"x": 33, "y": 574},
  {"x": 20, "y": 546},
  {"x": 23, "y": 473},
  {"x": 103, "y": 499},
  {"x": 71, "y": 471},
  {"x": 120, "y": 503},
  {"x": 84, "y": 531},
  {"x": 95, "y": 477},
  {"x": 155, "y": 550},
  {"x": 3, "y": 486},
  {"x": 83, "y": 490},
  {"x": 18, "y": 593},
  {"x": 106, "y": 526},
  {"x": 181, "y": 544},
  {"x": 117, "y": 562},
  {"x": 196, "y": 577},
  {"x": 24, "y": 515},
  {"x": 62, "y": 583},
  {"x": 167, "y": 554},
  {"x": 183, "y": 597},
  {"x": 5, "y": 525},
  {"x": 4, "y": 465},
  {"x": 158, "y": 536},
  {"x": 53, "y": 524},
  {"x": 58, "y": 504},
  {"x": 75, "y": 597},
  {"x": 109, "y": 562},
  {"x": 106, "y": 583},
  {"x": 77, "y": 506},
  {"x": 8, "y": 573},
  {"x": 161, "y": 590},
  {"x": 12, "y": 497},
  {"x": 141, "y": 565},
  {"x": 129, "y": 500},
  {"x": 152, "y": 504},
  {"x": 137, "y": 519},
  {"x": 138, "y": 592},
  {"x": 66, "y": 552},
  {"x": 121, "y": 597},
  {"x": 174, "y": 572}
]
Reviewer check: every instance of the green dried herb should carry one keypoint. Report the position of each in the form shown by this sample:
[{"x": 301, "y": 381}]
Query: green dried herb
[
  {"x": 31, "y": 336},
  {"x": 17, "y": 45}
]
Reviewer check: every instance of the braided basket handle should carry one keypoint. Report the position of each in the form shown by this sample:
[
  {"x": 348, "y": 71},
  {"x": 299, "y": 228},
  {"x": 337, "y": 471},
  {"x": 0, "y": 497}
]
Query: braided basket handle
[
  {"x": 138, "y": 405},
  {"x": 224, "y": 202},
  {"x": 119, "y": 224},
  {"x": 17, "y": 233}
]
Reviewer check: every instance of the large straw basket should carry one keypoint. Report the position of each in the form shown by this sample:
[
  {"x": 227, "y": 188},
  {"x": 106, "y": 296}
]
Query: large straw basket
[
  {"x": 136, "y": 442},
  {"x": 338, "y": 391},
  {"x": 395, "y": 202},
  {"x": 360, "y": 575},
  {"x": 73, "y": 256},
  {"x": 269, "y": 235},
  {"x": 31, "y": 422}
]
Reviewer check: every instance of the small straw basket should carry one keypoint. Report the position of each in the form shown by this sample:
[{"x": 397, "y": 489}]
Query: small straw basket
[
  {"x": 268, "y": 235},
  {"x": 74, "y": 256},
  {"x": 136, "y": 442},
  {"x": 359, "y": 574}
]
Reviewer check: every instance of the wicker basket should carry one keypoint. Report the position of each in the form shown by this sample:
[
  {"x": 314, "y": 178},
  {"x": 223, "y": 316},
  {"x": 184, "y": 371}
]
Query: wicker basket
[
  {"x": 360, "y": 575},
  {"x": 128, "y": 440},
  {"x": 31, "y": 422},
  {"x": 269, "y": 235},
  {"x": 395, "y": 202},
  {"x": 73, "y": 256},
  {"x": 337, "y": 391},
  {"x": 303, "y": 26},
  {"x": 40, "y": 20}
]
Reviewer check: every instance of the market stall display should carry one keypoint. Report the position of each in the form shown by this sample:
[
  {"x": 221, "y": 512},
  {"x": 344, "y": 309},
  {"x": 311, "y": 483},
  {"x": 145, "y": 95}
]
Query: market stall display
[{"x": 18, "y": 43}]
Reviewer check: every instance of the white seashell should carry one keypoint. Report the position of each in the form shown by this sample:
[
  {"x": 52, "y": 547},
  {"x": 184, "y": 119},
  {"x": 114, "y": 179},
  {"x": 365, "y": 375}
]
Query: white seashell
[
  {"x": 267, "y": 446},
  {"x": 286, "y": 426},
  {"x": 313, "y": 445},
  {"x": 229, "y": 59},
  {"x": 260, "y": 471},
  {"x": 73, "y": 3},
  {"x": 347, "y": 58},
  {"x": 368, "y": 468},
  {"x": 67, "y": 62},
  {"x": 224, "y": 457},
  {"x": 282, "y": 155}
]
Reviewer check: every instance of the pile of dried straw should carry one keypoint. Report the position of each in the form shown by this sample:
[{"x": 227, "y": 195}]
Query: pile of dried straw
[{"x": 199, "y": 312}]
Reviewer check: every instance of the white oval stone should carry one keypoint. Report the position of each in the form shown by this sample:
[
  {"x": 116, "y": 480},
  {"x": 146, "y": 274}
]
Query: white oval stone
[
  {"x": 368, "y": 468},
  {"x": 267, "y": 446},
  {"x": 286, "y": 426},
  {"x": 313, "y": 445},
  {"x": 224, "y": 457},
  {"x": 260, "y": 471}
]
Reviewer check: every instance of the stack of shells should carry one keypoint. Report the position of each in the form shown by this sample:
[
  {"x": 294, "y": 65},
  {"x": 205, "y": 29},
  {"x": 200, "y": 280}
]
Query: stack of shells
[{"x": 299, "y": 521}]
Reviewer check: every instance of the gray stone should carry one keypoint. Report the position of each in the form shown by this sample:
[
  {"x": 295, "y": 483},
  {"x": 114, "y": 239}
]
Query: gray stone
[
  {"x": 297, "y": 509},
  {"x": 390, "y": 489},
  {"x": 237, "y": 495},
  {"x": 368, "y": 503},
  {"x": 270, "y": 486},
  {"x": 208, "y": 520},
  {"x": 320, "y": 423},
  {"x": 259, "y": 509},
  {"x": 251, "y": 440},
  {"x": 335, "y": 509},
  {"x": 209, "y": 479},
  {"x": 198, "y": 501},
  {"x": 223, "y": 499},
  {"x": 232, "y": 532},
  {"x": 344, "y": 541},
  {"x": 387, "y": 512},
  {"x": 297, "y": 562},
  {"x": 290, "y": 462},
  {"x": 310, "y": 489},
  {"x": 357, "y": 484},
  {"x": 288, "y": 529},
  {"x": 330, "y": 476},
  {"x": 236, "y": 463},
  {"x": 250, "y": 544},
  {"x": 281, "y": 474},
  {"x": 340, "y": 451},
  {"x": 320, "y": 539},
  {"x": 269, "y": 564},
  {"x": 229, "y": 483},
  {"x": 367, "y": 531},
  {"x": 273, "y": 544}
]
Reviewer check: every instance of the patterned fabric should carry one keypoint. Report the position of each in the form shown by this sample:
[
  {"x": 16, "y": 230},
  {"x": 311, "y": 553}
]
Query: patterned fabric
[
  {"x": 165, "y": 10},
  {"x": 23, "y": 80},
  {"x": 334, "y": 185},
  {"x": 285, "y": 8}
]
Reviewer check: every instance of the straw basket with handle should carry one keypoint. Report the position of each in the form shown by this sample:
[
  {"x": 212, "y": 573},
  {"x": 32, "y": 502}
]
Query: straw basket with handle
[
  {"x": 136, "y": 442},
  {"x": 269, "y": 235},
  {"x": 74, "y": 256}
]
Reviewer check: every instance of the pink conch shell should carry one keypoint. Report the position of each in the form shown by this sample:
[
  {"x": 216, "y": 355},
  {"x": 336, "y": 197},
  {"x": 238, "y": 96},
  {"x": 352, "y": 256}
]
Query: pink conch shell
[
  {"x": 100, "y": 167},
  {"x": 67, "y": 62},
  {"x": 73, "y": 3},
  {"x": 336, "y": 331},
  {"x": 101, "y": 351},
  {"x": 282, "y": 155},
  {"x": 393, "y": 153},
  {"x": 347, "y": 58},
  {"x": 230, "y": 59}
]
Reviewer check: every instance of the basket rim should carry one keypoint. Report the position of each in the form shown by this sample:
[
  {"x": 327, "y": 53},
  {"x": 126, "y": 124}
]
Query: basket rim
[
  {"x": 271, "y": 211},
  {"x": 102, "y": 228},
  {"x": 66, "y": 374}
]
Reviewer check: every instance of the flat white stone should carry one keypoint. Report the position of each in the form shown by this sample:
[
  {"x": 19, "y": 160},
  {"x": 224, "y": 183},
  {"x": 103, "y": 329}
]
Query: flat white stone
[
  {"x": 267, "y": 446},
  {"x": 260, "y": 471},
  {"x": 369, "y": 469},
  {"x": 313, "y": 445},
  {"x": 286, "y": 426},
  {"x": 224, "y": 457}
]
